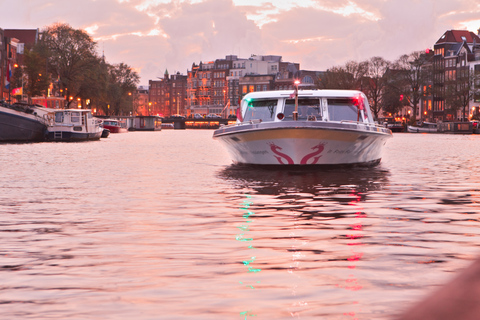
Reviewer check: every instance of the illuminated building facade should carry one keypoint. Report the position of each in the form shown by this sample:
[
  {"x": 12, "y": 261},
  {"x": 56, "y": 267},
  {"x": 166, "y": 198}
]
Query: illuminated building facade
[
  {"x": 167, "y": 96},
  {"x": 454, "y": 52}
]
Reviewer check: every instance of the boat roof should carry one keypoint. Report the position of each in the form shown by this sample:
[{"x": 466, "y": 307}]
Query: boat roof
[
  {"x": 72, "y": 110},
  {"x": 302, "y": 93}
]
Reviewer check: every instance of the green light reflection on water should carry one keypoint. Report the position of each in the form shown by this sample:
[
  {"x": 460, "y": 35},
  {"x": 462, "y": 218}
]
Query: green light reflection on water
[{"x": 241, "y": 237}]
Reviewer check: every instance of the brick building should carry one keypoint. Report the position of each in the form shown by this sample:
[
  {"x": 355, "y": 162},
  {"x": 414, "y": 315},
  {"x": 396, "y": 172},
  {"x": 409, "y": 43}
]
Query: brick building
[
  {"x": 13, "y": 43},
  {"x": 167, "y": 96},
  {"x": 454, "y": 54}
]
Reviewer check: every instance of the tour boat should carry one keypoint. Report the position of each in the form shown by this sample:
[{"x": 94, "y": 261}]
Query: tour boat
[
  {"x": 22, "y": 123},
  {"x": 306, "y": 127},
  {"x": 73, "y": 125},
  {"x": 114, "y": 126}
]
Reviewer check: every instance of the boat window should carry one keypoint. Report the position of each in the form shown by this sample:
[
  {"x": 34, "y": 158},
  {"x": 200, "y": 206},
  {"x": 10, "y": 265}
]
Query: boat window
[
  {"x": 306, "y": 107},
  {"x": 264, "y": 110},
  {"x": 342, "y": 109},
  {"x": 59, "y": 117},
  {"x": 75, "y": 117}
]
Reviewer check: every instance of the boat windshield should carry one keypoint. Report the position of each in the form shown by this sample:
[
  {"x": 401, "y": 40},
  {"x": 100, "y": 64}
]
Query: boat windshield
[
  {"x": 264, "y": 110},
  {"x": 306, "y": 108},
  {"x": 342, "y": 109}
]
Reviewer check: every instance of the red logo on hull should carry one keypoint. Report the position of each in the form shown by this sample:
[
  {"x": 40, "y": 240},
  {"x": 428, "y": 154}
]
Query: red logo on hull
[
  {"x": 315, "y": 155},
  {"x": 283, "y": 158},
  {"x": 279, "y": 155}
]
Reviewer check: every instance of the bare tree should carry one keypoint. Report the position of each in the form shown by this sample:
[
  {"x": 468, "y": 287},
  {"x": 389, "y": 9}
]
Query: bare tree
[
  {"x": 415, "y": 74},
  {"x": 345, "y": 77},
  {"x": 375, "y": 83}
]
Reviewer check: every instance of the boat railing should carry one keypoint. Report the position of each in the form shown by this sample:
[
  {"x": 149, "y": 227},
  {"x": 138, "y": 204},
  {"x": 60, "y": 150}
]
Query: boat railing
[
  {"x": 63, "y": 125},
  {"x": 363, "y": 123}
]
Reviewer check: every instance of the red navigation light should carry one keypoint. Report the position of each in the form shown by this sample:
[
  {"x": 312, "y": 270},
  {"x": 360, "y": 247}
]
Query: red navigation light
[
  {"x": 358, "y": 102},
  {"x": 280, "y": 116},
  {"x": 239, "y": 114}
]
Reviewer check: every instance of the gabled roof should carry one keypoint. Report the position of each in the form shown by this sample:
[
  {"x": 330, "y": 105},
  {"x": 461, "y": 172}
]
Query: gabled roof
[{"x": 458, "y": 36}]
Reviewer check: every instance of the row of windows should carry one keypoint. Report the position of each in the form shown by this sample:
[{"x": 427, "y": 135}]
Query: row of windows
[
  {"x": 219, "y": 84},
  {"x": 239, "y": 65},
  {"x": 439, "y": 106},
  {"x": 219, "y": 74},
  {"x": 450, "y": 75}
]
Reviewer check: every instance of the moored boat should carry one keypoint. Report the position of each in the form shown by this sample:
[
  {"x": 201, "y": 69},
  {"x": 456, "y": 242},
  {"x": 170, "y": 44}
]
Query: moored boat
[
  {"x": 114, "y": 126},
  {"x": 22, "y": 123},
  {"x": 308, "y": 127},
  {"x": 424, "y": 127},
  {"x": 73, "y": 125},
  {"x": 144, "y": 123},
  {"x": 396, "y": 126}
]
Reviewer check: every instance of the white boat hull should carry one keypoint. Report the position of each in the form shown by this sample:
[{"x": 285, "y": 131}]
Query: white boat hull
[
  {"x": 304, "y": 143},
  {"x": 413, "y": 129}
]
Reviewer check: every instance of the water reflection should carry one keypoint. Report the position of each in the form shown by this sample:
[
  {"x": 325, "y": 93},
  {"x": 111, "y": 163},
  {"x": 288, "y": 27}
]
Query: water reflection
[
  {"x": 309, "y": 191},
  {"x": 307, "y": 222},
  {"x": 314, "y": 181}
]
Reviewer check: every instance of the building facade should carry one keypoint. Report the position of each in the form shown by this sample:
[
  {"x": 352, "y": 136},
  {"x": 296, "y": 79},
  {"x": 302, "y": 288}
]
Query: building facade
[
  {"x": 454, "y": 52},
  {"x": 14, "y": 42},
  {"x": 217, "y": 87},
  {"x": 140, "y": 102},
  {"x": 167, "y": 96}
]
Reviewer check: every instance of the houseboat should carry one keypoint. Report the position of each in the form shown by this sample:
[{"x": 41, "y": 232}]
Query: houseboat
[
  {"x": 73, "y": 125},
  {"x": 144, "y": 123}
]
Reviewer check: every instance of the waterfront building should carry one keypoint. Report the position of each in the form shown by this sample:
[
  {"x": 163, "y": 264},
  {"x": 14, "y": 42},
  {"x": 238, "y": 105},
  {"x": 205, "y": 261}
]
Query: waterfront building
[
  {"x": 13, "y": 43},
  {"x": 199, "y": 88},
  {"x": 454, "y": 52},
  {"x": 167, "y": 96},
  {"x": 220, "y": 100},
  {"x": 140, "y": 102},
  {"x": 217, "y": 87},
  {"x": 474, "y": 69}
]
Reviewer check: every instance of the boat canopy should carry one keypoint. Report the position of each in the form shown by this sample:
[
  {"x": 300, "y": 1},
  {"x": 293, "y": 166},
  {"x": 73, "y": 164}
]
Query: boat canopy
[{"x": 311, "y": 105}]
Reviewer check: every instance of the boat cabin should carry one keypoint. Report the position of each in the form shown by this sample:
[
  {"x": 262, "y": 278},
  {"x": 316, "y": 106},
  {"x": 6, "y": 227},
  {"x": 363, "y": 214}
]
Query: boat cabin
[
  {"x": 310, "y": 105},
  {"x": 79, "y": 119}
]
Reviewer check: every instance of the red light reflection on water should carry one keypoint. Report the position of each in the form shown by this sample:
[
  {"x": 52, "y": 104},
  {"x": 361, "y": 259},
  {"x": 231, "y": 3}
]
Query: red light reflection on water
[{"x": 354, "y": 237}]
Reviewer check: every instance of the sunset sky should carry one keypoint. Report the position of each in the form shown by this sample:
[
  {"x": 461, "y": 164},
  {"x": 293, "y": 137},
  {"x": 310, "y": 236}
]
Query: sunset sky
[{"x": 154, "y": 35}]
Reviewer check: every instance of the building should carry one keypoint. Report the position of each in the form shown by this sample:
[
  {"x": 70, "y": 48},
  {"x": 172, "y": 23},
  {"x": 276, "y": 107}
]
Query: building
[
  {"x": 453, "y": 54},
  {"x": 167, "y": 96},
  {"x": 199, "y": 89},
  {"x": 14, "y": 42},
  {"x": 474, "y": 65},
  {"x": 140, "y": 101},
  {"x": 9, "y": 62}
]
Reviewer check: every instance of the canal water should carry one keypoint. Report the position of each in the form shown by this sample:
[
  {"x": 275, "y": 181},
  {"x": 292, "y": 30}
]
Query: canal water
[{"x": 160, "y": 225}]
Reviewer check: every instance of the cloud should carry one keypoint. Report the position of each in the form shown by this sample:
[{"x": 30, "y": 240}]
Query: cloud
[
  {"x": 203, "y": 31},
  {"x": 154, "y": 35}
]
